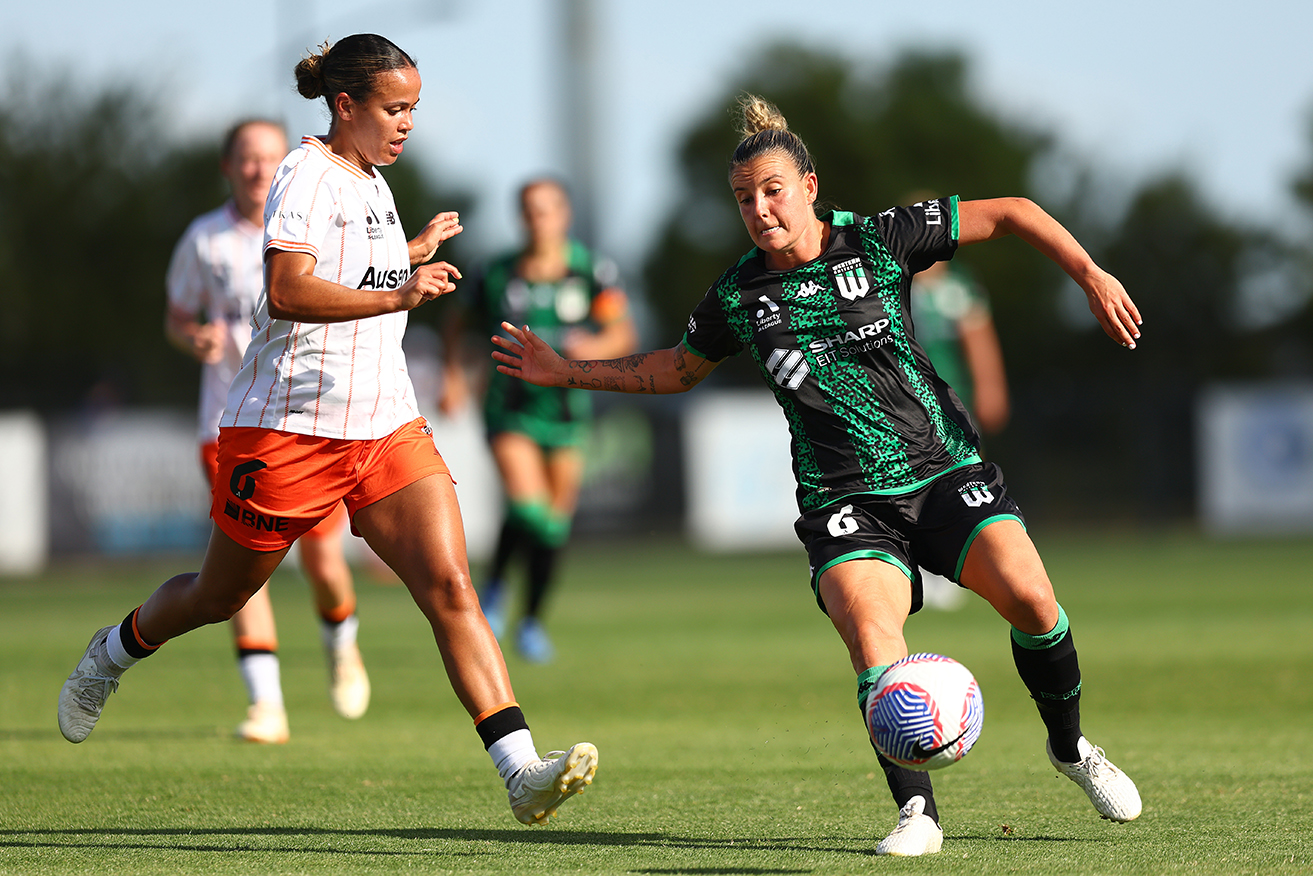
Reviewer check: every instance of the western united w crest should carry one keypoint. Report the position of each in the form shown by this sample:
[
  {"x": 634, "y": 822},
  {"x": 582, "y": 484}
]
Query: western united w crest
[
  {"x": 851, "y": 278},
  {"x": 976, "y": 494}
]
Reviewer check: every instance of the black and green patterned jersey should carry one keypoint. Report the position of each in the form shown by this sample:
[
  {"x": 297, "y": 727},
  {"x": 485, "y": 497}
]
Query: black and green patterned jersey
[
  {"x": 587, "y": 297},
  {"x": 834, "y": 341}
]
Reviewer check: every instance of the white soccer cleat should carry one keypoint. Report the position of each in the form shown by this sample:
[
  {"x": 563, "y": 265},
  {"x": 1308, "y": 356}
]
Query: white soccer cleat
[
  {"x": 916, "y": 833},
  {"x": 348, "y": 683},
  {"x": 539, "y": 788},
  {"x": 83, "y": 696},
  {"x": 265, "y": 723},
  {"x": 1111, "y": 791}
]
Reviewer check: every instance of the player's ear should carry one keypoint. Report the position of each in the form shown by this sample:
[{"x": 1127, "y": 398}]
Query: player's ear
[{"x": 343, "y": 105}]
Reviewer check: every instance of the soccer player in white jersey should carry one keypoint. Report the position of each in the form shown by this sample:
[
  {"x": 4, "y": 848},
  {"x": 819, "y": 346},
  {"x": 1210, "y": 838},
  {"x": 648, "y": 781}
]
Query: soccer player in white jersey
[
  {"x": 323, "y": 411},
  {"x": 213, "y": 284}
]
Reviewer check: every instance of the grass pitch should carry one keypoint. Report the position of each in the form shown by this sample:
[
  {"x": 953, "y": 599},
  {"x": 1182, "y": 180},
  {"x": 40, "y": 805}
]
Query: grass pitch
[{"x": 724, "y": 710}]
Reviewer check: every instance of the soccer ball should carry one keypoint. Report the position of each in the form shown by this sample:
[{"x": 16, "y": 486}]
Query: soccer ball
[{"x": 925, "y": 712}]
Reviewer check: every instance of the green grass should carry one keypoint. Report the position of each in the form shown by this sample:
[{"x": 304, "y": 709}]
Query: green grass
[{"x": 724, "y": 709}]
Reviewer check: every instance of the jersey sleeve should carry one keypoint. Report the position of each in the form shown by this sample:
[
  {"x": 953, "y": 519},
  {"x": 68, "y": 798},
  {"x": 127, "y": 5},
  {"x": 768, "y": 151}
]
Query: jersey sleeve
[
  {"x": 708, "y": 334},
  {"x": 301, "y": 210},
  {"x": 184, "y": 283},
  {"x": 922, "y": 234}
]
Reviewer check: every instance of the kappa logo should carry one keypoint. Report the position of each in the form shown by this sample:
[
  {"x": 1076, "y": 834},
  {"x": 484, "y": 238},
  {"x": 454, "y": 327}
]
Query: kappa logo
[
  {"x": 810, "y": 288},
  {"x": 976, "y": 494},
  {"x": 850, "y": 277},
  {"x": 788, "y": 367}
]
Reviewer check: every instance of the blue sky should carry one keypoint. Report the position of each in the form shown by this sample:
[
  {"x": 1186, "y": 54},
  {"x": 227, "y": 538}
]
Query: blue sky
[{"x": 1132, "y": 85}]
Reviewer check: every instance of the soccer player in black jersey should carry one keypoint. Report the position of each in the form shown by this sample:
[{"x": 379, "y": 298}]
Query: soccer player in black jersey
[{"x": 886, "y": 458}]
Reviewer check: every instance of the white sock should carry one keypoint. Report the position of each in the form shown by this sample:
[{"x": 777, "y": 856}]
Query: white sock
[
  {"x": 263, "y": 680},
  {"x": 510, "y": 753},
  {"x": 115, "y": 651},
  {"x": 339, "y": 635}
]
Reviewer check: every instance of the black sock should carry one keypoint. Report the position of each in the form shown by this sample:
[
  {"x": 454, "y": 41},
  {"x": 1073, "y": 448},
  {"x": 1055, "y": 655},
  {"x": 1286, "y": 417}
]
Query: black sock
[
  {"x": 508, "y": 542},
  {"x": 542, "y": 565},
  {"x": 132, "y": 643},
  {"x": 1052, "y": 675},
  {"x": 903, "y": 783},
  {"x": 500, "y": 724}
]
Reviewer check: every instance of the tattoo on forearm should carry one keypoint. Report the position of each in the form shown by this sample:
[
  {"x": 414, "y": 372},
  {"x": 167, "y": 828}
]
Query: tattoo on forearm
[
  {"x": 647, "y": 369},
  {"x": 689, "y": 378}
]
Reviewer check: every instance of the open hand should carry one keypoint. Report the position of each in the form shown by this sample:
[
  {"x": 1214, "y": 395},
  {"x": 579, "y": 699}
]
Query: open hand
[
  {"x": 441, "y": 227},
  {"x": 527, "y": 357},
  {"x": 1113, "y": 308}
]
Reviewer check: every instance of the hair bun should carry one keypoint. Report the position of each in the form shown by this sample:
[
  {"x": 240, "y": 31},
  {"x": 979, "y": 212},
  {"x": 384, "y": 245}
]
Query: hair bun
[
  {"x": 310, "y": 74},
  {"x": 759, "y": 114}
]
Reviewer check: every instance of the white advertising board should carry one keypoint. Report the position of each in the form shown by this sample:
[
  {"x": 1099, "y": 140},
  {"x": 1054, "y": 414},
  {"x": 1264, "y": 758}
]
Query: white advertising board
[
  {"x": 738, "y": 472},
  {"x": 24, "y": 532},
  {"x": 1255, "y": 472}
]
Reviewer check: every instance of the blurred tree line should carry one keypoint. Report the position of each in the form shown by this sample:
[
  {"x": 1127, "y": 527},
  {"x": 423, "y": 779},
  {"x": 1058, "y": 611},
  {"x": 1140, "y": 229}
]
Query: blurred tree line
[
  {"x": 1097, "y": 432},
  {"x": 94, "y": 194},
  {"x": 93, "y": 197}
]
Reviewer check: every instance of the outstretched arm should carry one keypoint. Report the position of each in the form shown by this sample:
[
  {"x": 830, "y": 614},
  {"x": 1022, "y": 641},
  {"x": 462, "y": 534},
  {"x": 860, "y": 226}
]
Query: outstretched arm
[
  {"x": 1109, "y": 302},
  {"x": 529, "y": 357}
]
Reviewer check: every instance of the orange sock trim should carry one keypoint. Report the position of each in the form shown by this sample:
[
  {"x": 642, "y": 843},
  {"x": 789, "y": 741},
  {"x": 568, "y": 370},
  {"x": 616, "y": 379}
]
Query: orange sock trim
[
  {"x": 250, "y": 643},
  {"x": 136, "y": 634},
  {"x": 341, "y": 613},
  {"x": 488, "y": 713}
]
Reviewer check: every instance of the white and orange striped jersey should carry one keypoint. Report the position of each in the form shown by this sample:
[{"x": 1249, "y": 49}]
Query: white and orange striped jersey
[
  {"x": 217, "y": 272},
  {"x": 338, "y": 380}
]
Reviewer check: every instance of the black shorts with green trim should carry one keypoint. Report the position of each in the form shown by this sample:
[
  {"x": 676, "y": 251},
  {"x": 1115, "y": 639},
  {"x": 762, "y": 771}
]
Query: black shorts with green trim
[{"x": 931, "y": 527}]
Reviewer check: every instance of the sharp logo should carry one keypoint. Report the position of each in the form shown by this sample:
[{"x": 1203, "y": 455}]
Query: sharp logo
[
  {"x": 976, "y": 494},
  {"x": 853, "y": 342},
  {"x": 850, "y": 277},
  {"x": 850, "y": 337},
  {"x": 788, "y": 367}
]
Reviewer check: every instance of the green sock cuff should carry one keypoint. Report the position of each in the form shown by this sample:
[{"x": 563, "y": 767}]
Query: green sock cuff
[
  {"x": 1044, "y": 640},
  {"x": 866, "y": 680},
  {"x": 536, "y": 517},
  {"x": 528, "y": 515},
  {"x": 555, "y": 530}
]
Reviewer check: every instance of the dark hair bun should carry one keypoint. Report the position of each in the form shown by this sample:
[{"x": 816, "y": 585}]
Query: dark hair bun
[{"x": 310, "y": 74}]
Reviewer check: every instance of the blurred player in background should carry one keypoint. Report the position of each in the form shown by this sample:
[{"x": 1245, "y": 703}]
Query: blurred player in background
[
  {"x": 886, "y": 458},
  {"x": 323, "y": 411},
  {"x": 956, "y": 329},
  {"x": 536, "y": 433},
  {"x": 214, "y": 282}
]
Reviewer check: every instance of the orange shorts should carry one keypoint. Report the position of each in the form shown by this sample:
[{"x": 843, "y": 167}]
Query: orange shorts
[
  {"x": 270, "y": 488},
  {"x": 330, "y": 527}
]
